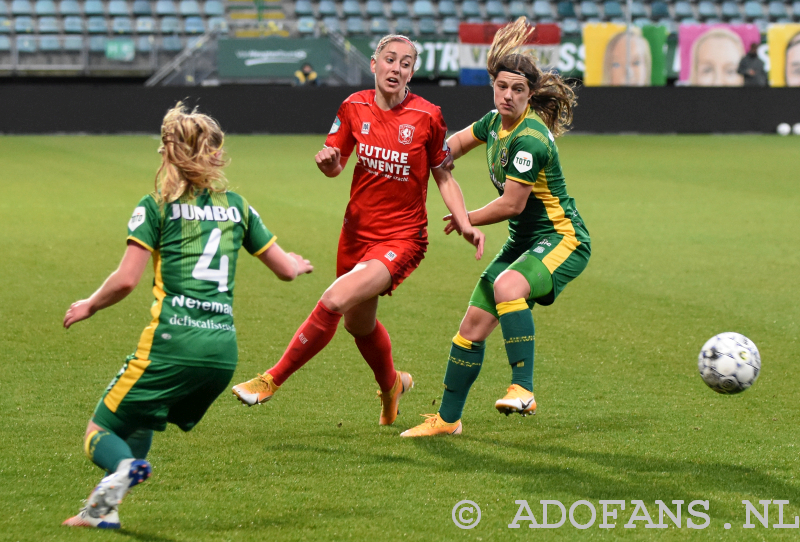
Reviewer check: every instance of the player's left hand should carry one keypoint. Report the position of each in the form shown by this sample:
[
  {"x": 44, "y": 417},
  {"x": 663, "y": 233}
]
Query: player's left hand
[
  {"x": 451, "y": 225},
  {"x": 80, "y": 310},
  {"x": 475, "y": 237}
]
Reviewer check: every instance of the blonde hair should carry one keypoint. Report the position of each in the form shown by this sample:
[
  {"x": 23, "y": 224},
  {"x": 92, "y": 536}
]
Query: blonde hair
[
  {"x": 390, "y": 38},
  {"x": 636, "y": 38},
  {"x": 552, "y": 98},
  {"x": 191, "y": 155}
]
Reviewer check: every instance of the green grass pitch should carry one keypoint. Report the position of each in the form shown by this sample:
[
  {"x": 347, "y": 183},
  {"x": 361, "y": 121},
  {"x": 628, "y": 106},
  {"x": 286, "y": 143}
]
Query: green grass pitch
[{"x": 692, "y": 236}]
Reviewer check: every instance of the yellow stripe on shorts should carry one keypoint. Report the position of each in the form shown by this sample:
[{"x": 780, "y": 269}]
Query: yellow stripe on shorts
[{"x": 121, "y": 388}]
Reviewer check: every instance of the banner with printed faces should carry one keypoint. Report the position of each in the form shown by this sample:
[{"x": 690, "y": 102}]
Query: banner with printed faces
[
  {"x": 710, "y": 54},
  {"x": 784, "y": 55},
  {"x": 618, "y": 56},
  {"x": 476, "y": 39}
]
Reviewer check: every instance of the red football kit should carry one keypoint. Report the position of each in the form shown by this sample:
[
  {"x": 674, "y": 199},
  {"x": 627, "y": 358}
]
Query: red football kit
[{"x": 386, "y": 217}]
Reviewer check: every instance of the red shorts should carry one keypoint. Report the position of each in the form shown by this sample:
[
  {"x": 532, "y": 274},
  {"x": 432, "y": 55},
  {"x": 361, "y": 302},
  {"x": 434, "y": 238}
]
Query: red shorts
[{"x": 400, "y": 257}]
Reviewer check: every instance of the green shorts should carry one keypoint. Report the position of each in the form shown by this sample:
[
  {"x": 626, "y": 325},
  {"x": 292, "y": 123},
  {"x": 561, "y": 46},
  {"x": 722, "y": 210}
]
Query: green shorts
[
  {"x": 149, "y": 394},
  {"x": 563, "y": 258}
]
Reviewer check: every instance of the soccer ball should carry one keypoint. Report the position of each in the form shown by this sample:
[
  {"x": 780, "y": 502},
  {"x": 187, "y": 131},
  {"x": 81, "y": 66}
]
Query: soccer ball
[{"x": 729, "y": 363}]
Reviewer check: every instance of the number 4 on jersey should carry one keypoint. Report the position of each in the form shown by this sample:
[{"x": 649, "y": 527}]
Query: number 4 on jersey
[{"x": 202, "y": 271}]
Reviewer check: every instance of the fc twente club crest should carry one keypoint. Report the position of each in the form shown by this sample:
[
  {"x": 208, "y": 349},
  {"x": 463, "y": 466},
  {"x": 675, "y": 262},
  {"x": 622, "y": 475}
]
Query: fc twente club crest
[{"x": 406, "y": 134}]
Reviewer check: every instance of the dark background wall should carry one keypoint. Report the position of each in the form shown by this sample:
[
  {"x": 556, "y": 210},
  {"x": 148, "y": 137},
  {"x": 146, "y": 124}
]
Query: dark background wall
[{"x": 124, "y": 107}]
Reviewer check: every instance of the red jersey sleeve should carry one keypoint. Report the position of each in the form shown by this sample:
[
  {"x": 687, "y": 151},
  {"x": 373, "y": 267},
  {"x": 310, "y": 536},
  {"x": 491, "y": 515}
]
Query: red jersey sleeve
[
  {"x": 341, "y": 136},
  {"x": 438, "y": 149}
]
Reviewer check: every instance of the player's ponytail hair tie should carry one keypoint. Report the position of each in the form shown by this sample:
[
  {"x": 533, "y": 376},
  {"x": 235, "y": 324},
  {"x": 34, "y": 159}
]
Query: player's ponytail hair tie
[
  {"x": 192, "y": 157},
  {"x": 552, "y": 98}
]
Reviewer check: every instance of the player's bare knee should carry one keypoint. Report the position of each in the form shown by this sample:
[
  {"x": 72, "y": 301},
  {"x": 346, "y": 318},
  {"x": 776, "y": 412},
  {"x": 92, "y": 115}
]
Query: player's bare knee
[
  {"x": 359, "y": 328},
  {"x": 509, "y": 287},
  {"x": 332, "y": 301}
]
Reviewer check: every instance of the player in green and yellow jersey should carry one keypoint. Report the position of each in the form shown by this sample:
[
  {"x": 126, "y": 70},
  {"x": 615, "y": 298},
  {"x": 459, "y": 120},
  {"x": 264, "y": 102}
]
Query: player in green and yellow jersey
[
  {"x": 548, "y": 244},
  {"x": 193, "y": 227}
]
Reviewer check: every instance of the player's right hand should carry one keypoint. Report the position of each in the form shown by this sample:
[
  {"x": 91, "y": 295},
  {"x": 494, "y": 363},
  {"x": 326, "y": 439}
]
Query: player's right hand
[
  {"x": 476, "y": 238},
  {"x": 328, "y": 159},
  {"x": 80, "y": 310},
  {"x": 303, "y": 266}
]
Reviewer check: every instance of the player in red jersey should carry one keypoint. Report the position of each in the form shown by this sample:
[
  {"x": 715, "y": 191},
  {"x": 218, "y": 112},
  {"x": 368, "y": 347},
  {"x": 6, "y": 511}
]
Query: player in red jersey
[{"x": 399, "y": 139}]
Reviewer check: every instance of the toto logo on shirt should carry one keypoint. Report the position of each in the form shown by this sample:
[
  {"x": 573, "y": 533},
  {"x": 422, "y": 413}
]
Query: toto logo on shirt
[{"x": 406, "y": 134}]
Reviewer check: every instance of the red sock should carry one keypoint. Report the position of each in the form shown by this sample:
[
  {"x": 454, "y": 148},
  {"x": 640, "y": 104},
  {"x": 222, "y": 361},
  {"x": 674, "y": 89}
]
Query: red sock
[
  {"x": 314, "y": 335},
  {"x": 377, "y": 350}
]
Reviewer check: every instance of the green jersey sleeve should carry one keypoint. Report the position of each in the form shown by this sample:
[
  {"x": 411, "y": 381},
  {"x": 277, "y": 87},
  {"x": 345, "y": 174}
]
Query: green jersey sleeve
[
  {"x": 527, "y": 157},
  {"x": 144, "y": 227},
  {"x": 480, "y": 129},
  {"x": 257, "y": 238}
]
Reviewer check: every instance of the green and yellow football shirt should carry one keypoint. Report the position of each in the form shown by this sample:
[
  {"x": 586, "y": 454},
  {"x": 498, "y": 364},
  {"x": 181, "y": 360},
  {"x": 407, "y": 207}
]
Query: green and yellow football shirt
[
  {"x": 195, "y": 244},
  {"x": 527, "y": 153}
]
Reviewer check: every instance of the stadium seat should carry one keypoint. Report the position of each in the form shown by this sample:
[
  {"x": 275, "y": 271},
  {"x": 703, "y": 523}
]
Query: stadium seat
[
  {"x": 70, "y": 7},
  {"x": 659, "y": 10},
  {"x": 379, "y": 26},
  {"x": 118, "y": 8},
  {"x": 331, "y": 24},
  {"x": 306, "y": 25},
  {"x": 427, "y": 26},
  {"x": 398, "y": 8},
  {"x": 49, "y": 43},
  {"x": 45, "y": 7},
  {"x": 730, "y": 11},
  {"x": 165, "y": 7},
  {"x": 683, "y": 10},
  {"x": 518, "y": 8},
  {"x": 470, "y": 8},
  {"x": 73, "y": 43},
  {"x": 121, "y": 25},
  {"x": 73, "y": 24},
  {"x": 351, "y": 8},
  {"x": 142, "y": 7},
  {"x": 542, "y": 10},
  {"x": 570, "y": 27},
  {"x": 777, "y": 10},
  {"x": 796, "y": 10},
  {"x": 423, "y": 8},
  {"x": 5, "y": 25},
  {"x": 97, "y": 44},
  {"x": 144, "y": 44},
  {"x": 327, "y": 8},
  {"x": 475, "y": 20},
  {"x": 93, "y": 7},
  {"x": 447, "y": 8},
  {"x": 170, "y": 25},
  {"x": 171, "y": 44},
  {"x": 189, "y": 8},
  {"x": 589, "y": 10},
  {"x": 355, "y": 26},
  {"x": 218, "y": 24},
  {"x": 5, "y": 43},
  {"x": 21, "y": 7},
  {"x": 753, "y": 10},
  {"x": 4, "y": 8},
  {"x": 403, "y": 25},
  {"x": 612, "y": 9},
  {"x": 97, "y": 25},
  {"x": 303, "y": 8},
  {"x": 375, "y": 8},
  {"x": 194, "y": 25},
  {"x": 214, "y": 8},
  {"x": 145, "y": 25},
  {"x": 494, "y": 8},
  {"x": 26, "y": 44},
  {"x": 23, "y": 25},
  {"x": 637, "y": 10},
  {"x": 565, "y": 10},
  {"x": 450, "y": 25},
  {"x": 48, "y": 25},
  {"x": 707, "y": 10}
]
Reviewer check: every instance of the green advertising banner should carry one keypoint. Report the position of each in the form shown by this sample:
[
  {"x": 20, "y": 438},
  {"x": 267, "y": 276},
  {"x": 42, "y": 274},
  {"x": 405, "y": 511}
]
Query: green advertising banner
[
  {"x": 120, "y": 49},
  {"x": 271, "y": 57}
]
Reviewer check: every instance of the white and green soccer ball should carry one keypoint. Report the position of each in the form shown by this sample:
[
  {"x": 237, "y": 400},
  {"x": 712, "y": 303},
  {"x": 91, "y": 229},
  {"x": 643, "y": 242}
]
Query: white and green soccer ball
[{"x": 729, "y": 363}]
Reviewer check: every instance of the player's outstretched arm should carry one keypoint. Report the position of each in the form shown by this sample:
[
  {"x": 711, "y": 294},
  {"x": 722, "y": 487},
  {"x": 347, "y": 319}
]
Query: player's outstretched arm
[
  {"x": 116, "y": 287},
  {"x": 330, "y": 162},
  {"x": 285, "y": 266},
  {"x": 454, "y": 200},
  {"x": 460, "y": 143}
]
